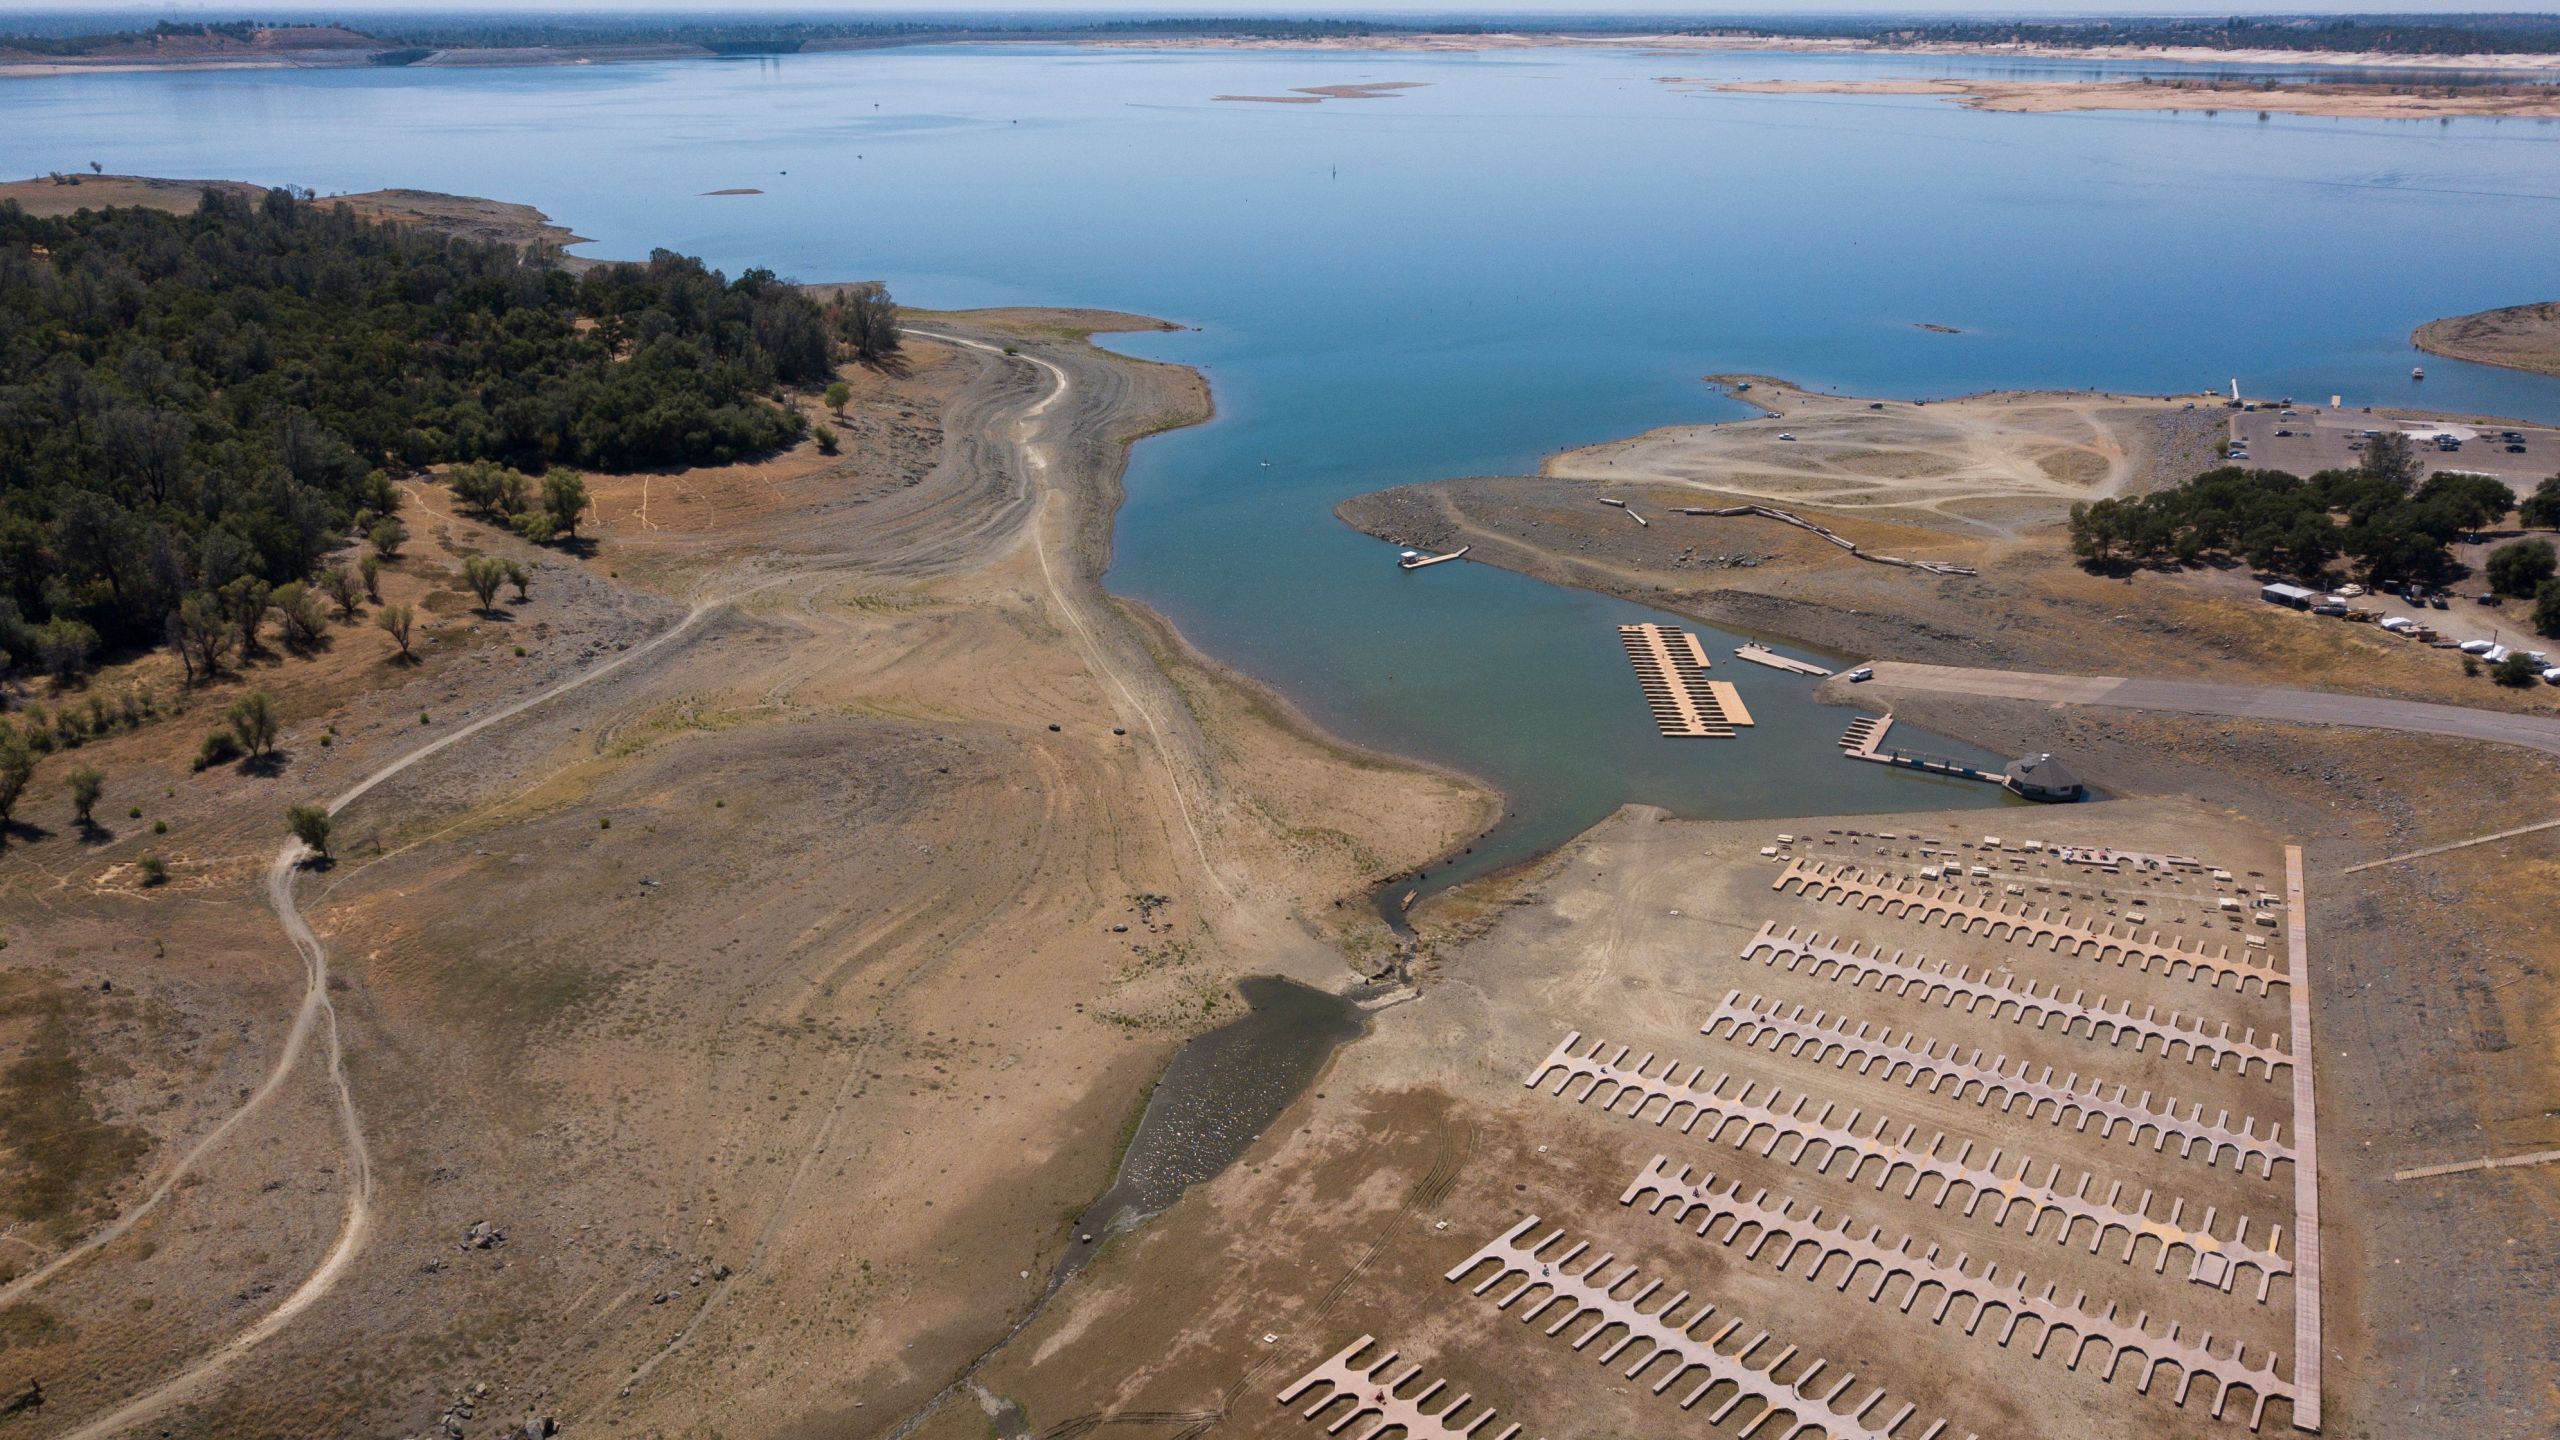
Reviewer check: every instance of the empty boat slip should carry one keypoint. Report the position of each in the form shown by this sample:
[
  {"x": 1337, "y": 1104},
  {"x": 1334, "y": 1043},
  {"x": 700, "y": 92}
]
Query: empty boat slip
[{"x": 1672, "y": 667}]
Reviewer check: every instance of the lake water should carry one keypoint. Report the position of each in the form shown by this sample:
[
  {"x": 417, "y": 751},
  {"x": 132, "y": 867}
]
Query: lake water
[{"x": 1534, "y": 250}]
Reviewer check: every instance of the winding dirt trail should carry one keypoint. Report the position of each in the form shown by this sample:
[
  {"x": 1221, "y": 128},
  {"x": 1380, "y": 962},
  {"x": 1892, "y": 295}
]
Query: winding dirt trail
[
  {"x": 1021, "y": 457},
  {"x": 317, "y": 1015}
]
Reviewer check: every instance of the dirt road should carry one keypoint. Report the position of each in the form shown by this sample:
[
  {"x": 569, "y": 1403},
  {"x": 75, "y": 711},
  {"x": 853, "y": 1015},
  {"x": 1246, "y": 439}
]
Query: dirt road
[{"x": 2308, "y": 707}]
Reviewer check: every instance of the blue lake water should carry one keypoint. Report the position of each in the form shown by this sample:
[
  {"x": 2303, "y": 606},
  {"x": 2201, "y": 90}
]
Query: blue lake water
[{"x": 1533, "y": 250}]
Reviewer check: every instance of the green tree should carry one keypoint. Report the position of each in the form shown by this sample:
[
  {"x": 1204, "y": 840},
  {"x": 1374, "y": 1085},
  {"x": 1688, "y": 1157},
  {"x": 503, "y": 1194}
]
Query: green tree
[
  {"x": 17, "y": 767},
  {"x": 523, "y": 582},
  {"x": 828, "y": 442},
  {"x": 254, "y": 722},
  {"x": 2390, "y": 459},
  {"x": 867, "y": 319},
  {"x": 2470, "y": 501},
  {"x": 344, "y": 590},
  {"x": 2520, "y": 566},
  {"x": 298, "y": 606},
  {"x": 388, "y": 536},
  {"x": 2546, "y": 609},
  {"x": 86, "y": 783},
  {"x": 484, "y": 574},
  {"x": 2516, "y": 671},
  {"x": 2541, "y": 509},
  {"x": 245, "y": 599},
  {"x": 394, "y": 620},
  {"x": 65, "y": 645},
  {"x": 200, "y": 628},
  {"x": 370, "y": 567},
  {"x": 839, "y": 395},
  {"x": 311, "y": 825},
  {"x": 564, "y": 499}
]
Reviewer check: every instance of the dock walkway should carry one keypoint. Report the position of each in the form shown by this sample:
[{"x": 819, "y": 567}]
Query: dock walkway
[
  {"x": 1759, "y": 654},
  {"x": 1671, "y": 666}
]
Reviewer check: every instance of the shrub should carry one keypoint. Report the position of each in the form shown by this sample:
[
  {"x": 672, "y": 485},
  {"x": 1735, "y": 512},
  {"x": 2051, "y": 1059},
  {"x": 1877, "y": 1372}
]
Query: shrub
[
  {"x": 218, "y": 747},
  {"x": 2516, "y": 671},
  {"x": 387, "y": 537},
  {"x": 311, "y": 825},
  {"x": 155, "y": 871},
  {"x": 828, "y": 444}
]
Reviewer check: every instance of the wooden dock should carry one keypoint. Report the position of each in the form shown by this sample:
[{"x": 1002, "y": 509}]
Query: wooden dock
[
  {"x": 1864, "y": 740},
  {"x": 1671, "y": 666},
  {"x": 1759, "y": 654},
  {"x": 1864, "y": 734}
]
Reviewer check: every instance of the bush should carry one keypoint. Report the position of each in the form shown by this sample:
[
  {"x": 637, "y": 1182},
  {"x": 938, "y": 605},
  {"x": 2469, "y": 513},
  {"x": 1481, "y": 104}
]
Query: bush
[
  {"x": 311, "y": 825},
  {"x": 218, "y": 747},
  {"x": 2516, "y": 671},
  {"x": 828, "y": 443},
  {"x": 2520, "y": 566},
  {"x": 155, "y": 871}
]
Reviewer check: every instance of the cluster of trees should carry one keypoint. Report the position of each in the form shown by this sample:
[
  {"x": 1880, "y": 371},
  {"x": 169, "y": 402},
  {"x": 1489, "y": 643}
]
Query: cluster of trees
[
  {"x": 196, "y": 406},
  {"x": 2394, "y": 528}
]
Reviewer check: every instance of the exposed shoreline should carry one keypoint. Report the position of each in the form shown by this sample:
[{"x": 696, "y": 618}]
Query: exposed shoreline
[
  {"x": 2046, "y": 97},
  {"x": 27, "y": 65},
  {"x": 2515, "y": 337}
]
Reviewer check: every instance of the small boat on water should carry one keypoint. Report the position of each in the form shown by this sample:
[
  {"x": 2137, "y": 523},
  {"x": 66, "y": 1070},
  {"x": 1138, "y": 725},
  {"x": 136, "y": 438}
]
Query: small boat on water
[
  {"x": 1415, "y": 559},
  {"x": 2417, "y": 372}
]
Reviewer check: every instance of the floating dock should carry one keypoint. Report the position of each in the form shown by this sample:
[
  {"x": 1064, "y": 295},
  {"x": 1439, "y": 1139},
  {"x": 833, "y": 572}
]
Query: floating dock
[
  {"x": 1759, "y": 654},
  {"x": 1671, "y": 666},
  {"x": 1864, "y": 740}
]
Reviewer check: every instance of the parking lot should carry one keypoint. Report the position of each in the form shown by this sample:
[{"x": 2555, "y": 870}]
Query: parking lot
[{"x": 2325, "y": 439}]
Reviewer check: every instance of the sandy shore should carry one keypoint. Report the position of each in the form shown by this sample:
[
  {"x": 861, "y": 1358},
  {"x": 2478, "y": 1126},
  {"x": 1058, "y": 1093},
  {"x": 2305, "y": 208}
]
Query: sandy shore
[
  {"x": 2349, "y": 102},
  {"x": 2520, "y": 337}
]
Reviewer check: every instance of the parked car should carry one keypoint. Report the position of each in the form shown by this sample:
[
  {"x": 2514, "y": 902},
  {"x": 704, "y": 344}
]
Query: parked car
[{"x": 1862, "y": 674}]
